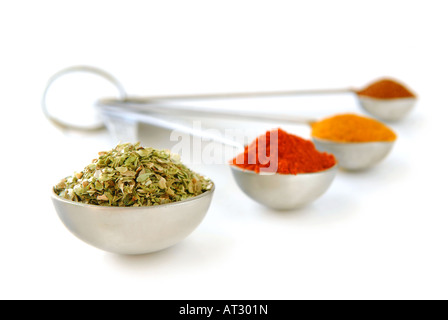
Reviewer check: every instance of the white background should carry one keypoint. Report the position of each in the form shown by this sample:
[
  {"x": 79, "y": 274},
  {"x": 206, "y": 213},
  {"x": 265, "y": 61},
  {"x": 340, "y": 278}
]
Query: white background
[{"x": 379, "y": 234}]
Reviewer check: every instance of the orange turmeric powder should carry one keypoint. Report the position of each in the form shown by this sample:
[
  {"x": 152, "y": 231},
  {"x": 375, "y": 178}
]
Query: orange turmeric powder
[
  {"x": 386, "y": 89},
  {"x": 352, "y": 128}
]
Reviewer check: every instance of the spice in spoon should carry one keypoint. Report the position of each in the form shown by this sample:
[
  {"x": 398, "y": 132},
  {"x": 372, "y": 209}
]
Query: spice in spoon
[
  {"x": 292, "y": 155},
  {"x": 352, "y": 128},
  {"x": 386, "y": 89},
  {"x": 130, "y": 175}
]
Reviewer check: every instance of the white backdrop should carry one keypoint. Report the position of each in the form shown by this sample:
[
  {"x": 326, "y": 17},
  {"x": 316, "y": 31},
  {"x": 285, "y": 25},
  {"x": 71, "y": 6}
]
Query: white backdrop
[{"x": 374, "y": 235}]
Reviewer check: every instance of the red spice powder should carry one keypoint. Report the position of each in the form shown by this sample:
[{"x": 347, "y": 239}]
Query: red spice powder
[{"x": 287, "y": 154}]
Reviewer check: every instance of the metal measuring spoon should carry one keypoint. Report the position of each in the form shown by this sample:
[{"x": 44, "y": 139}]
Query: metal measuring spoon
[
  {"x": 355, "y": 156},
  {"x": 383, "y": 109},
  {"x": 274, "y": 190},
  {"x": 133, "y": 230},
  {"x": 390, "y": 110},
  {"x": 284, "y": 191},
  {"x": 386, "y": 109},
  {"x": 277, "y": 191},
  {"x": 350, "y": 155}
]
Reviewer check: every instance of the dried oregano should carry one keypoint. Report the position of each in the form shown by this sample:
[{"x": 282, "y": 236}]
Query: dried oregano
[{"x": 130, "y": 175}]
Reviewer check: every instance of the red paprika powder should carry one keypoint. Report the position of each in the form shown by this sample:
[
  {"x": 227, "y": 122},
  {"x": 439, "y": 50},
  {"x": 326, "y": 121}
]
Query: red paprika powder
[{"x": 289, "y": 154}]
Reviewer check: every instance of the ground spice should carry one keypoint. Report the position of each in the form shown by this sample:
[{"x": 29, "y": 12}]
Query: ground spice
[
  {"x": 352, "y": 128},
  {"x": 291, "y": 155},
  {"x": 386, "y": 89}
]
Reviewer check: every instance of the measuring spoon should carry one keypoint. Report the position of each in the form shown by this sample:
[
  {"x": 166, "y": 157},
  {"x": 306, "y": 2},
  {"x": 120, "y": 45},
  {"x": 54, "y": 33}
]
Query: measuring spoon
[
  {"x": 350, "y": 155},
  {"x": 273, "y": 190},
  {"x": 386, "y": 109}
]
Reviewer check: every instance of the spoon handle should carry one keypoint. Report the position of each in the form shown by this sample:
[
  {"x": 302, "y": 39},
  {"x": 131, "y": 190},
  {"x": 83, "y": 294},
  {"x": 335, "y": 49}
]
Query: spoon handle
[
  {"x": 233, "y": 95},
  {"x": 152, "y": 119},
  {"x": 144, "y": 106}
]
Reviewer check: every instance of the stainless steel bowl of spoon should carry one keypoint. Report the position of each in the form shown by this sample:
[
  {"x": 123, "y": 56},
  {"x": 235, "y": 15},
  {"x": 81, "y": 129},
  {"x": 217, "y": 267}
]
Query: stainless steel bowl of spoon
[
  {"x": 355, "y": 155},
  {"x": 390, "y": 110},
  {"x": 133, "y": 230},
  {"x": 284, "y": 191}
]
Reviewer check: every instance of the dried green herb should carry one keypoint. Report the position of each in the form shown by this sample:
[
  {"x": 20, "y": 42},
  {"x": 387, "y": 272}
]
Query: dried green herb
[{"x": 130, "y": 175}]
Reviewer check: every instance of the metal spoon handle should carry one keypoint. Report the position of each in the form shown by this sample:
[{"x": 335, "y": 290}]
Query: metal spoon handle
[
  {"x": 152, "y": 119},
  {"x": 143, "y": 106},
  {"x": 233, "y": 95}
]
